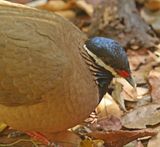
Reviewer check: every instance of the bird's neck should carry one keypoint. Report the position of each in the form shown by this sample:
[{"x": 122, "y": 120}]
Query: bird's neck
[{"x": 102, "y": 76}]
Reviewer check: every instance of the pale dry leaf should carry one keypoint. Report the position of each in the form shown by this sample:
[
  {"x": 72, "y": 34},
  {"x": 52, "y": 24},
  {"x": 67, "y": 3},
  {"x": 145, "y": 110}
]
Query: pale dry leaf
[
  {"x": 57, "y": 5},
  {"x": 128, "y": 91},
  {"x": 69, "y": 14},
  {"x": 141, "y": 117},
  {"x": 108, "y": 107},
  {"x": 145, "y": 100},
  {"x": 154, "y": 80},
  {"x": 88, "y": 8},
  {"x": 153, "y": 142},
  {"x": 141, "y": 93}
]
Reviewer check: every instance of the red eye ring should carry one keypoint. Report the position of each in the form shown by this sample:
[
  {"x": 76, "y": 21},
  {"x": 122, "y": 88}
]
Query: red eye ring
[{"x": 123, "y": 73}]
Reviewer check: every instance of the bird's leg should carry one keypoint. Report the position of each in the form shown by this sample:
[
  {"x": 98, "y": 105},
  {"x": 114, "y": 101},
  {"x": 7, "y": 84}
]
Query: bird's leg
[
  {"x": 116, "y": 94},
  {"x": 39, "y": 137},
  {"x": 57, "y": 139}
]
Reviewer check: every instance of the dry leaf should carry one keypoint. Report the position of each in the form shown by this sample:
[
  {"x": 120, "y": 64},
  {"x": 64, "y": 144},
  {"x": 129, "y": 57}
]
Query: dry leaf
[
  {"x": 153, "y": 4},
  {"x": 111, "y": 123},
  {"x": 142, "y": 116},
  {"x": 139, "y": 144},
  {"x": 94, "y": 2},
  {"x": 152, "y": 18},
  {"x": 66, "y": 138},
  {"x": 88, "y": 8},
  {"x": 141, "y": 63},
  {"x": 69, "y": 14},
  {"x": 57, "y": 5},
  {"x": 14, "y": 138},
  {"x": 137, "y": 58},
  {"x": 154, "y": 80},
  {"x": 144, "y": 101},
  {"x": 128, "y": 91},
  {"x": 91, "y": 143},
  {"x": 108, "y": 107},
  {"x": 153, "y": 142},
  {"x": 120, "y": 138},
  {"x": 141, "y": 93},
  {"x": 134, "y": 144},
  {"x": 2, "y": 126}
]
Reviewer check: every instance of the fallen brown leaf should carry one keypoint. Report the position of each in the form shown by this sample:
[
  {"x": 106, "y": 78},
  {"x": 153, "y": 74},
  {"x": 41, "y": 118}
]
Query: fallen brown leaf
[
  {"x": 154, "y": 80},
  {"x": 65, "y": 138},
  {"x": 153, "y": 4},
  {"x": 120, "y": 138},
  {"x": 111, "y": 123},
  {"x": 141, "y": 117},
  {"x": 137, "y": 58},
  {"x": 57, "y": 5},
  {"x": 141, "y": 63}
]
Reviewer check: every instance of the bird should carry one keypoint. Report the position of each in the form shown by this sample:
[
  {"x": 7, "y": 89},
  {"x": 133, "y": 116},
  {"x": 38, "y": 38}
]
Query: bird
[{"x": 51, "y": 75}]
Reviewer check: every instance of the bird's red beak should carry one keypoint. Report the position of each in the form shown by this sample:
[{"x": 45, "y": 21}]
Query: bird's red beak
[{"x": 126, "y": 75}]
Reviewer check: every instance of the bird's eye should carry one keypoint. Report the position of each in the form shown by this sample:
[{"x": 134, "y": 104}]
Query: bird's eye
[{"x": 123, "y": 73}]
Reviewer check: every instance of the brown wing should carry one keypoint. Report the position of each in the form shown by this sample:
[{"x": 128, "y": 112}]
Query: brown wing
[{"x": 32, "y": 56}]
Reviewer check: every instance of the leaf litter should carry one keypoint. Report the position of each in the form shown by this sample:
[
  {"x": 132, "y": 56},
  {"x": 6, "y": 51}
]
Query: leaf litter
[{"x": 108, "y": 125}]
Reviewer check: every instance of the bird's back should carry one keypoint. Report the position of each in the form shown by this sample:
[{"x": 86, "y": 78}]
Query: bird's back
[{"x": 43, "y": 77}]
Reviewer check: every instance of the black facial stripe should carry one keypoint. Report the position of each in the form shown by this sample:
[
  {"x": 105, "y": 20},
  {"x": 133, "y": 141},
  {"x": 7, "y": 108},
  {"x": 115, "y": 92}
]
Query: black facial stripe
[{"x": 101, "y": 75}]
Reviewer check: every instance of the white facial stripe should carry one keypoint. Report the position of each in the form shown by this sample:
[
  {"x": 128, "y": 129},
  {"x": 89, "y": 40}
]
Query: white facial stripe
[{"x": 100, "y": 62}]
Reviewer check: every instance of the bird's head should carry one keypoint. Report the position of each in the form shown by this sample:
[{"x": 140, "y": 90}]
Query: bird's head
[{"x": 108, "y": 54}]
